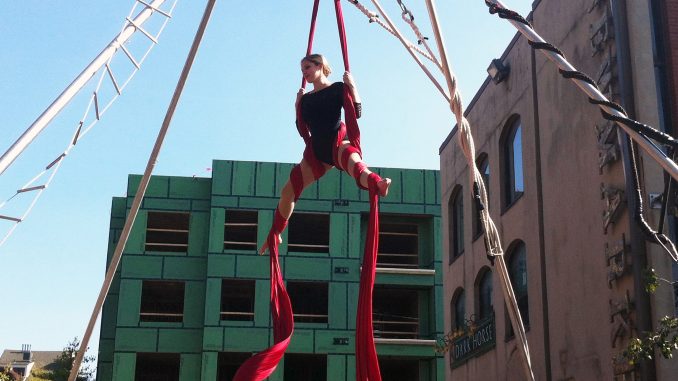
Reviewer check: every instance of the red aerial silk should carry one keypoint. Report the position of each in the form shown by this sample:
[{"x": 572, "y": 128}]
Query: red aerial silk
[
  {"x": 367, "y": 365},
  {"x": 261, "y": 365}
]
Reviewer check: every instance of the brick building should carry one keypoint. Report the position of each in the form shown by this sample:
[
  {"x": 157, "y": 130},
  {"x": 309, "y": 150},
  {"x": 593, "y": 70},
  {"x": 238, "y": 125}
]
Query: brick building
[{"x": 560, "y": 193}]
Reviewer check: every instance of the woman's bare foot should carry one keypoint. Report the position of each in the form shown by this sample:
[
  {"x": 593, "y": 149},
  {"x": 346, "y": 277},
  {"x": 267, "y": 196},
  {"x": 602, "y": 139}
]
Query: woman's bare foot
[
  {"x": 264, "y": 247},
  {"x": 383, "y": 185}
]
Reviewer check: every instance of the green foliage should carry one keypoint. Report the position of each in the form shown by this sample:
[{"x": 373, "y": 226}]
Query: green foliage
[
  {"x": 664, "y": 339},
  {"x": 64, "y": 363},
  {"x": 651, "y": 280},
  {"x": 38, "y": 375},
  {"x": 5, "y": 375}
]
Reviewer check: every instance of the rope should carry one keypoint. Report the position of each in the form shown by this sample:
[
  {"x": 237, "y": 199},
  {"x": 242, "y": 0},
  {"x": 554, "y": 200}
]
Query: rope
[
  {"x": 552, "y": 53},
  {"x": 408, "y": 46},
  {"x": 611, "y": 111},
  {"x": 408, "y": 17},
  {"x": 491, "y": 236},
  {"x": 374, "y": 18}
]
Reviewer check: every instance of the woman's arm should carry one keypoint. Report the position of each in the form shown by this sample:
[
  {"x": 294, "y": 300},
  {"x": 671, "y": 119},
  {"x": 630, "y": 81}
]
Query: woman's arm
[
  {"x": 300, "y": 94},
  {"x": 348, "y": 81}
]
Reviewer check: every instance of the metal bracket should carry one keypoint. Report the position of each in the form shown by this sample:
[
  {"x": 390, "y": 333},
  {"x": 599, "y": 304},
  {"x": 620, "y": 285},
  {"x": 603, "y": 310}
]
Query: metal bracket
[
  {"x": 623, "y": 371},
  {"x": 621, "y": 312},
  {"x": 608, "y": 154},
  {"x": 655, "y": 200},
  {"x": 614, "y": 201},
  {"x": 596, "y": 4},
  {"x": 601, "y": 32},
  {"x": 617, "y": 260},
  {"x": 606, "y": 133},
  {"x": 607, "y": 75}
]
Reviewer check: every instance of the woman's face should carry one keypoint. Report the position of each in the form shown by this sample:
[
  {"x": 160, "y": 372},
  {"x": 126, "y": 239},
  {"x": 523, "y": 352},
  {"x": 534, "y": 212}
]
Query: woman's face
[{"x": 311, "y": 71}]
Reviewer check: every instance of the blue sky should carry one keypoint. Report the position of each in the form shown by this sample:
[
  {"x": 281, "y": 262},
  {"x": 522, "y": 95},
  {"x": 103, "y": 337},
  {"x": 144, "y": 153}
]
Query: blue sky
[{"x": 237, "y": 105}]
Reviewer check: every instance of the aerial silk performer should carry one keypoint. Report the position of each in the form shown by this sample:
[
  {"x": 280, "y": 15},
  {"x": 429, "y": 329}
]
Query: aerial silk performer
[{"x": 329, "y": 143}]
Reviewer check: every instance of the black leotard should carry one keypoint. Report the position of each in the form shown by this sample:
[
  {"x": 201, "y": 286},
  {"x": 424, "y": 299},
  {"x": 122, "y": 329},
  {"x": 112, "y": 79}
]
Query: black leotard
[{"x": 321, "y": 110}]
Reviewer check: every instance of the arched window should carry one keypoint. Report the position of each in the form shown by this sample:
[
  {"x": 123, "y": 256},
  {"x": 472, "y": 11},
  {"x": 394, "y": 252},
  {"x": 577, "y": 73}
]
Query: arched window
[
  {"x": 484, "y": 306},
  {"x": 456, "y": 213},
  {"x": 512, "y": 148},
  {"x": 517, "y": 267},
  {"x": 483, "y": 164},
  {"x": 458, "y": 309}
]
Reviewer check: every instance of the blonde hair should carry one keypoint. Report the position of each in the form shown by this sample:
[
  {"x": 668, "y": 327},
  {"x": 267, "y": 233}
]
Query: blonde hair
[{"x": 319, "y": 59}]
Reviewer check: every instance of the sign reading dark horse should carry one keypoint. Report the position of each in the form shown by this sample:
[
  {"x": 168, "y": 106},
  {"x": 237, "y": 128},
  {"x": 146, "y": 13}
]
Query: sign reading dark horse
[{"x": 473, "y": 343}]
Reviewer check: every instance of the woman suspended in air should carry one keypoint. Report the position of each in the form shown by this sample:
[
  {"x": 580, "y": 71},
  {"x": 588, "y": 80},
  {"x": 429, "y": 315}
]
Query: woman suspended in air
[{"x": 329, "y": 142}]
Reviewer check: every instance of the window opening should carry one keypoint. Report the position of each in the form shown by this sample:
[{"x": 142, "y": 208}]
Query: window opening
[
  {"x": 157, "y": 367},
  {"x": 395, "y": 313},
  {"x": 305, "y": 367},
  {"x": 240, "y": 230},
  {"x": 162, "y": 301},
  {"x": 459, "y": 308},
  {"x": 513, "y": 161},
  {"x": 484, "y": 168},
  {"x": 228, "y": 364},
  {"x": 398, "y": 245},
  {"x": 309, "y": 301},
  {"x": 485, "y": 296},
  {"x": 457, "y": 218},
  {"x": 237, "y": 299},
  {"x": 399, "y": 368},
  {"x": 517, "y": 267},
  {"x": 167, "y": 231},
  {"x": 309, "y": 233}
]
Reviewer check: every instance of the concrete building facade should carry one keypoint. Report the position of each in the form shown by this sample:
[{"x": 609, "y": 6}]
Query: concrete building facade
[
  {"x": 191, "y": 298},
  {"x": 559, "y": 180}
]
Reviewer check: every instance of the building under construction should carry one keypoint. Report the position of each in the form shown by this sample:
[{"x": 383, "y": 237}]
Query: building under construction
[{"x": 191, "y": 301}]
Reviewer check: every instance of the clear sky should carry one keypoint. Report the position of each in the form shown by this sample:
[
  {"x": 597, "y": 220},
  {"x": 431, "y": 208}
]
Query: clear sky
[{"x": 237, "y": 105}]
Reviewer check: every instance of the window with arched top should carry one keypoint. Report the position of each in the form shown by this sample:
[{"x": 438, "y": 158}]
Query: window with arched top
[
  {"x": 517, "y": 268},
  {"x": 484, "y": 308},
  {"x": 483, "y": 164},
  {"x": 512, "y": 150},
  {"x": 458, "y": 309},
  {"x": 456, "y": 218}
]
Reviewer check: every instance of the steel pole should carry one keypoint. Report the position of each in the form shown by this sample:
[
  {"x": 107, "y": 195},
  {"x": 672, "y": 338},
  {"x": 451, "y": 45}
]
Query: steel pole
[{"x": 80, "y": 81}]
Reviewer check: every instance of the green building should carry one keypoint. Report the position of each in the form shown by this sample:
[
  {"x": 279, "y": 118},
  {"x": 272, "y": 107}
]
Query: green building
[{"x": 191, "y": 298}]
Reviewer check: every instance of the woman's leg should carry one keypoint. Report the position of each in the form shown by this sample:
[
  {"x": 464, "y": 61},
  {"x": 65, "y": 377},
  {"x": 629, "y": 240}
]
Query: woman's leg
[
  {"x": 301, "y": 176},
  {"x": 290, "y": 195},
  {"x": 354, "y": 166}
]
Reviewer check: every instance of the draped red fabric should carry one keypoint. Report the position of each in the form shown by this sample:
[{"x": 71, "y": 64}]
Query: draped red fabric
[
  {"x": 261, "y": 365},
  {"x": 342, "y": 33},
  {"x": 351, "y": 120},
  {"x": 367, "y": 364}
]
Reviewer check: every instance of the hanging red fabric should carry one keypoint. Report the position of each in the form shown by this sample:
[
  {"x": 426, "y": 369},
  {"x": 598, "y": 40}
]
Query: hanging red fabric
[
  {"x": 261, "y": 365},
  {"x": 367, "y": 364}
]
